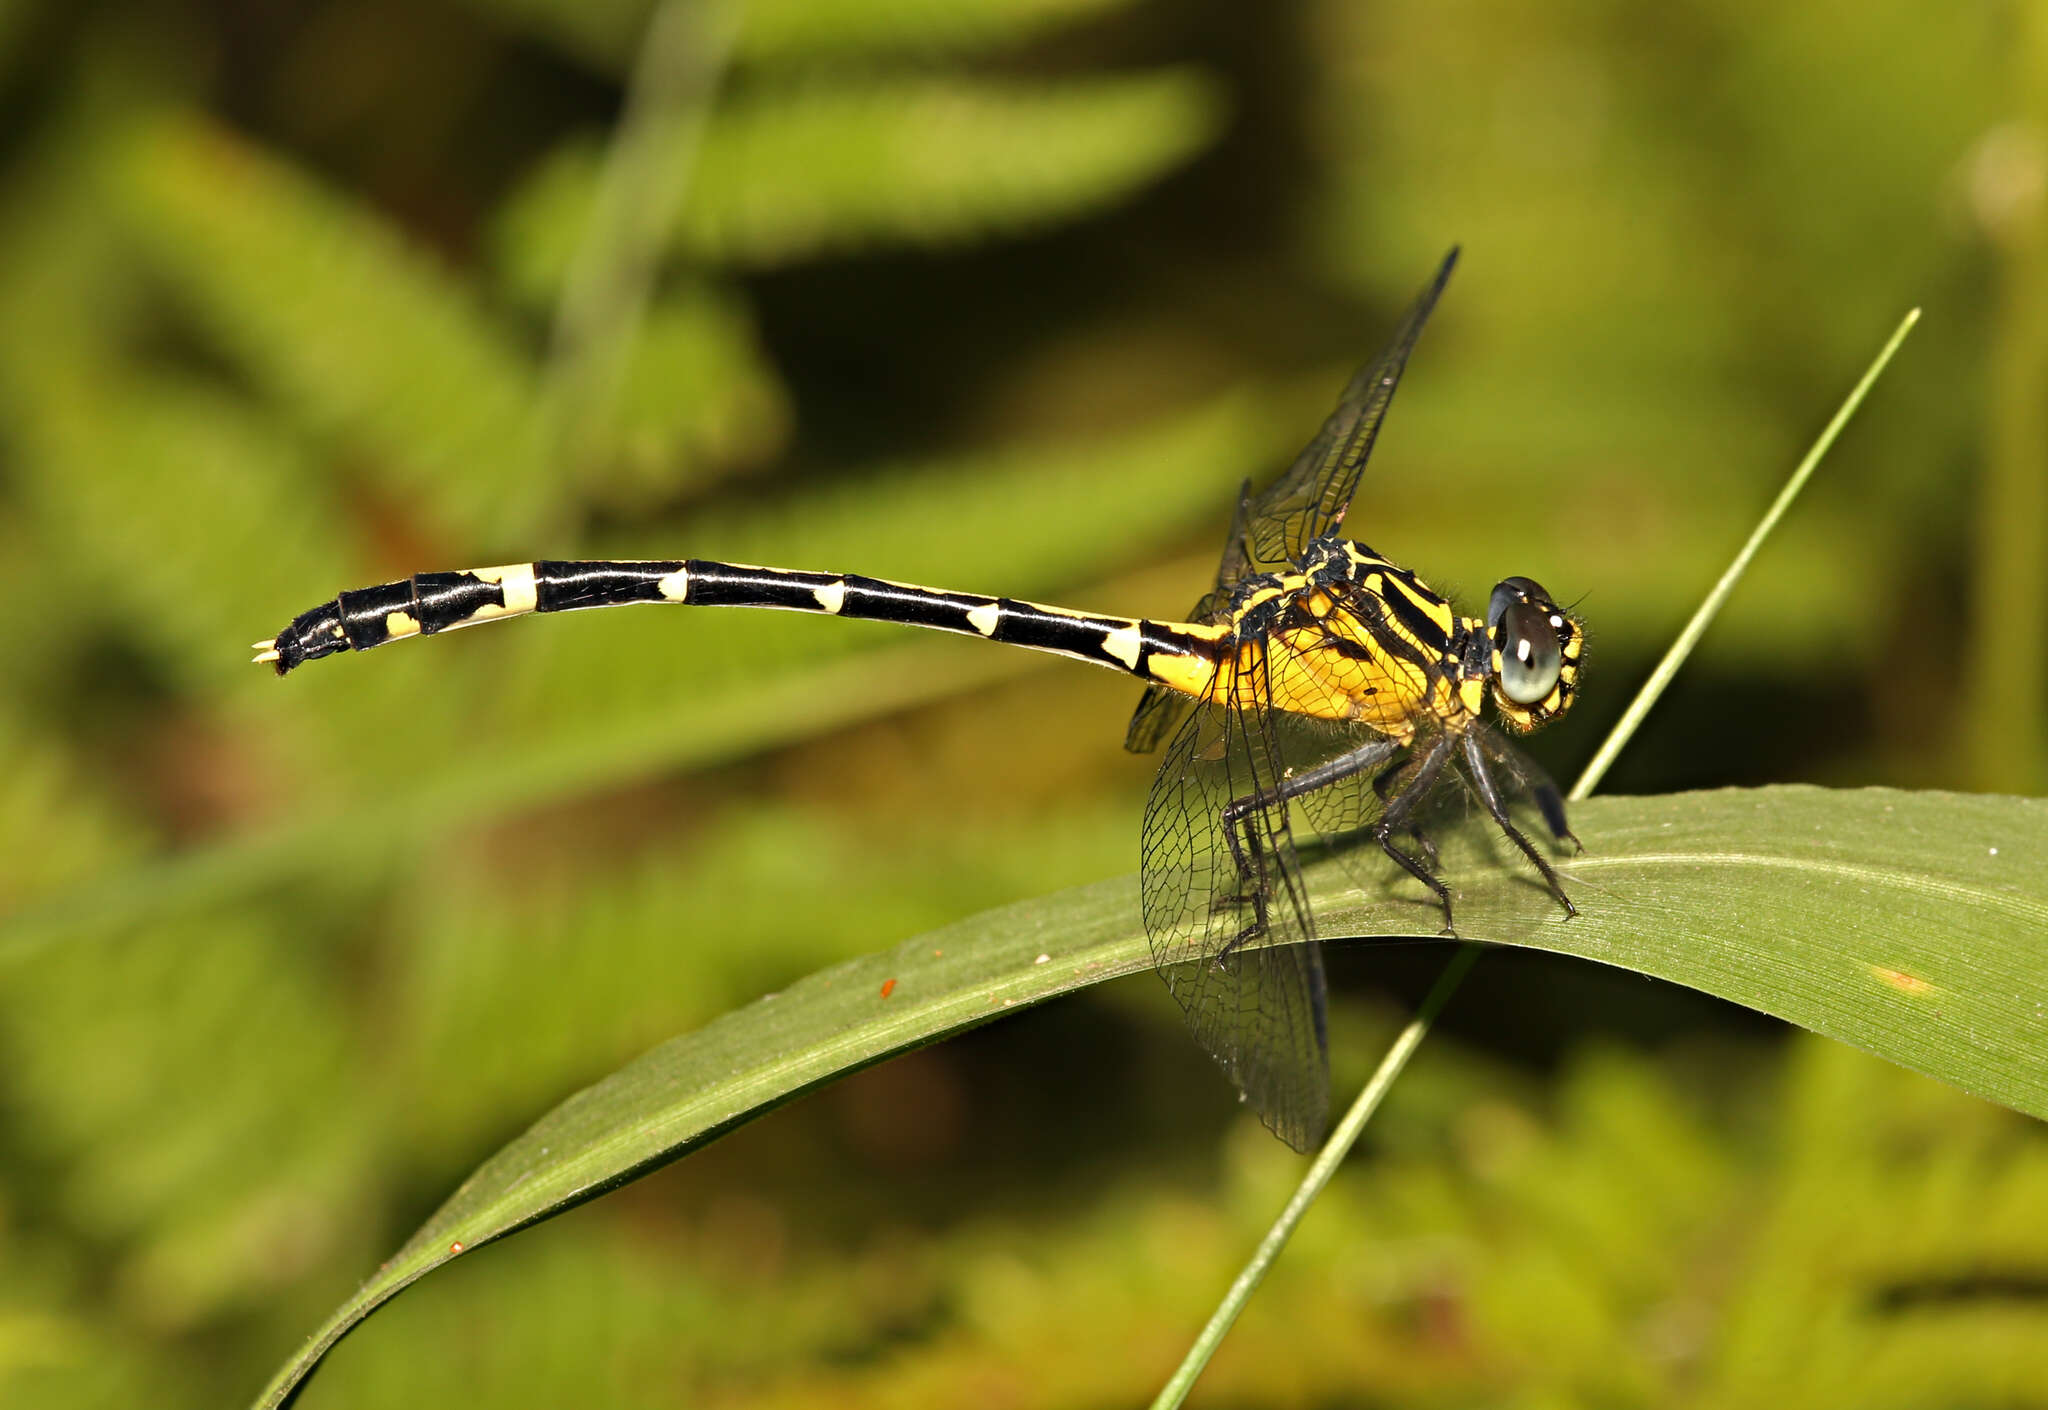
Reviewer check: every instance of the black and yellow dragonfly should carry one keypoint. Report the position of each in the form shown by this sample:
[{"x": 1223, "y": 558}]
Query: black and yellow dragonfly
[{"x": 1316, "y": 681}]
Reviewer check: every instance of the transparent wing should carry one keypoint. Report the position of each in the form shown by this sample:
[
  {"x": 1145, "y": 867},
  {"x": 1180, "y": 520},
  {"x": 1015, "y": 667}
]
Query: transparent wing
[
  {"x": 1229, "y": 919},
  {"x": 1272, "y": 531},
  {"x": 1310, "y": 499},
  {"x": 1159, "y": 710}
]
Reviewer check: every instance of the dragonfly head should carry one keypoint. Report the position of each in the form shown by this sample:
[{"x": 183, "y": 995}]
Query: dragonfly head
[{"x": 1536, "y": 647}]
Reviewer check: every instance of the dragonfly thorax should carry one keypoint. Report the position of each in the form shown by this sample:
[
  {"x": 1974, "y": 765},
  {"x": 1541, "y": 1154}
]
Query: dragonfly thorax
[{"x": 1345, "y": 634}]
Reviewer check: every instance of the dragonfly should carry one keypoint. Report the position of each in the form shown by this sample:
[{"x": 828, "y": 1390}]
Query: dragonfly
[{"x": 1318, "y": 695}]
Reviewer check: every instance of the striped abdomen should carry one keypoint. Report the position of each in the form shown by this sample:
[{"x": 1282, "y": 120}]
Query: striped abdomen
[{"x": 1181, "y": 655}]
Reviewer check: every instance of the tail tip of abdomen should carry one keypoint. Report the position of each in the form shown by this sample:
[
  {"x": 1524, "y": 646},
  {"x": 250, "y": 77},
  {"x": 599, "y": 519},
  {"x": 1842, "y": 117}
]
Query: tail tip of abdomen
[{"x": 310, "y": 636}]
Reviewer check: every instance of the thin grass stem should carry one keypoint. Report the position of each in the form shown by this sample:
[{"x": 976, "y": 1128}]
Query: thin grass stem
[{"x": 1681, "y": 647}]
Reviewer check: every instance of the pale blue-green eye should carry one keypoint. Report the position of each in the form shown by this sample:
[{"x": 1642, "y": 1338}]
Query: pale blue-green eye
[{"x": 1530, "y": 657}]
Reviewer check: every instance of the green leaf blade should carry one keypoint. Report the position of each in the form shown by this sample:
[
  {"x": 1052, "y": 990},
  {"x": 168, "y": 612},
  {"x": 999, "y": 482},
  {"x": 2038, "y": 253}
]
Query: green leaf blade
[{"x": 1908, "y": 924}]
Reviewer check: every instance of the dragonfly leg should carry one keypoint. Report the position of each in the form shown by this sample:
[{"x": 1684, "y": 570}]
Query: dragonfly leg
[
  {"x": 1383, "y": 788},
  {"x": 1395, "y": 819},
  {"x": 1246, "y": 851},
  {"x": 1482, "y": 779},
  {"x": 1383, "y": 781}
]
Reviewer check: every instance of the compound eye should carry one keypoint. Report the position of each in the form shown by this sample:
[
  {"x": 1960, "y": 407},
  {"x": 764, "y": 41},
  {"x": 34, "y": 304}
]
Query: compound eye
[
  {"x": 1506, "y": 594},
  {"x": 1530, "y": 657}
]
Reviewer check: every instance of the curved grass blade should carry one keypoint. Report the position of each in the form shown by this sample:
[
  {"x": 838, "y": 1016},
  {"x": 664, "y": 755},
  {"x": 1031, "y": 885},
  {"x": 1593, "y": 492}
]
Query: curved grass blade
[{"x": 1908, "y": 924}]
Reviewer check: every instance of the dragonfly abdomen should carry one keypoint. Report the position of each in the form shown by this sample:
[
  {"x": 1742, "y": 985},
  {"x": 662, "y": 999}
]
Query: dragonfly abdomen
[{"x": 1182, "y": 655}]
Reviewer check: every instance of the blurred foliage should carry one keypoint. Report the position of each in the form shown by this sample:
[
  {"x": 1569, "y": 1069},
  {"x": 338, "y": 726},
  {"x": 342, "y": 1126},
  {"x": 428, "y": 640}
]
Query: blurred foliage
[
  {"x": 1006, "y": 296},
  {"x": 1614, "y": 1242}
]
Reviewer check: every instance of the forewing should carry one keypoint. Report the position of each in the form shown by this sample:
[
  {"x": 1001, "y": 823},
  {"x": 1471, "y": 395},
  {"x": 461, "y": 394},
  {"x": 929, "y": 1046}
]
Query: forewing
[
  {"x": 1236, "y": 948},
  {"x": 1310, "y": 499},
  {"x": 1271, "y": 531}
]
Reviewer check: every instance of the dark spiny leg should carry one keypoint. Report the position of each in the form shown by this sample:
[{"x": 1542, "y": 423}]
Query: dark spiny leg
[
  {"x": 1383, "y": 781},
  {"x": 1238, "y": 814},
  {"x": 1383, "y": 788},
  {"x": 1395, "y": 819},
  {"x": 1482, "y": 779}
]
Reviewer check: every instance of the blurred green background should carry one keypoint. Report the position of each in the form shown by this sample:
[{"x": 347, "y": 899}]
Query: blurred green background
[{"x": 1006, "y": 297}]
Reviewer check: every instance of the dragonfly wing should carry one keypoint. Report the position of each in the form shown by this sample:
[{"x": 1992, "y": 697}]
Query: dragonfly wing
[
  {"x": 1235, "y": 942},
  {"x": 1310, "y": 499},
  {"x": 1159, "y": 710}
]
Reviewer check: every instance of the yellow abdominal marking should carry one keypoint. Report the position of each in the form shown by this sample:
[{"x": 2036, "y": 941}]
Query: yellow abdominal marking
[
  {"x": 1125, "y": 644},
  {"x": 516, "y": 579}
]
